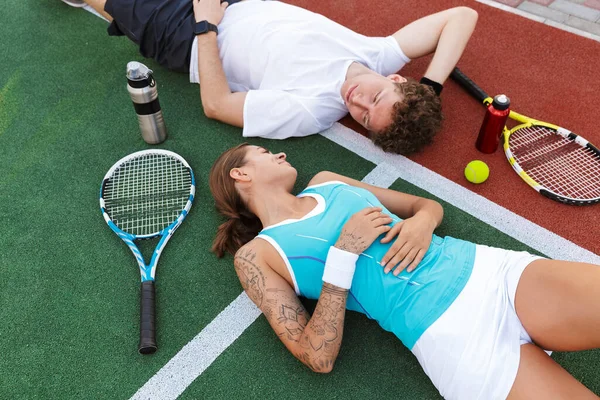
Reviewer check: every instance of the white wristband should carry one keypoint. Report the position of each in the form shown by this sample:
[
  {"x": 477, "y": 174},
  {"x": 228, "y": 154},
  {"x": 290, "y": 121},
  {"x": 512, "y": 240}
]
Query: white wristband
[{"x": 339, "y": 267}]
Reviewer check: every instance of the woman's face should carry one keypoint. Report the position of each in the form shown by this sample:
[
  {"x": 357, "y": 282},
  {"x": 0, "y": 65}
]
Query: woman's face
[{"x": 265, "y": 168}]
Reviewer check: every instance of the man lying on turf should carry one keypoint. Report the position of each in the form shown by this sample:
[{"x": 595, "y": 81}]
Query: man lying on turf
[{"x": 279, "y": 71}]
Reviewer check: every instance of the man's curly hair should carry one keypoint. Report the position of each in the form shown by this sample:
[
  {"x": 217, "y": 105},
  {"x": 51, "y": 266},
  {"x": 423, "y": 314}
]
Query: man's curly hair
[{"x": 415, "y": 119}]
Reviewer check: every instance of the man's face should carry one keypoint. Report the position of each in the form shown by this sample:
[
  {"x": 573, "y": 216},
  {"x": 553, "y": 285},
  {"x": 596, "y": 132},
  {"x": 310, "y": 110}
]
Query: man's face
[{"x": 370, "y": 99}]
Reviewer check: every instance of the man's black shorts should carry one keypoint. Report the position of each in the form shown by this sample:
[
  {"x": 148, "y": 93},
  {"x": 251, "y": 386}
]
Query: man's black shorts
[{"x": 163, "y": 29}]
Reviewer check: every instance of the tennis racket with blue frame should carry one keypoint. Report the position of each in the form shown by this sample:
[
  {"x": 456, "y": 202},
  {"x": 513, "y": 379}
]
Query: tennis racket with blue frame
[{"x": 145, "y": 195}]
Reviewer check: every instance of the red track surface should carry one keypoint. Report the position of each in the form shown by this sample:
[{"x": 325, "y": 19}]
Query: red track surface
[{"x": 549, "y": 74}]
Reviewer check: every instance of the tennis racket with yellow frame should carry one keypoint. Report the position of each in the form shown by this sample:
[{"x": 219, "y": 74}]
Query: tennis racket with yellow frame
[{"x": 553, "y": 160}]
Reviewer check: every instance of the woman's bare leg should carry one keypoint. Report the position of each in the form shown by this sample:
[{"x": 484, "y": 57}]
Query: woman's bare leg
[
  {"x": 540, "y": 377},
  {"x": 558, "y": 303},
  {"x": 98, "y": 5}
]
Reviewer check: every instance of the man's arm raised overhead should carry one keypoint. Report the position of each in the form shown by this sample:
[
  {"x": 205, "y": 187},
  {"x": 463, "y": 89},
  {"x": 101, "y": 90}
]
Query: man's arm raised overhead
[{"x": 446, "y": 33}]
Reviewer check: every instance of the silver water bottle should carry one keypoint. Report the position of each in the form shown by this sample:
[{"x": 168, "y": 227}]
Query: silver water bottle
[{"x": 142, "y": 89}]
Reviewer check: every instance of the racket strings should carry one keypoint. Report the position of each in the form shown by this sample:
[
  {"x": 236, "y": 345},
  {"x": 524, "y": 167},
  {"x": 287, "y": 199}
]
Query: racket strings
[
  {"x": 573, "y": 181},
  {"x": 557, "y": 163},
  {"x": 146, "y": 194}
]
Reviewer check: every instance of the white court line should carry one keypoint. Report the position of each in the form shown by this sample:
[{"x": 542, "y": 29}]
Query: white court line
[
  {"x": 383, "y": 175},
  {"x": 172, "y": 379},
  {"x": 525, "y": 231}
]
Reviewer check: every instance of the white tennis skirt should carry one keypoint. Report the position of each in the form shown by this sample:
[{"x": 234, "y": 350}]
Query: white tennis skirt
[{"x": 473, "y": 350}]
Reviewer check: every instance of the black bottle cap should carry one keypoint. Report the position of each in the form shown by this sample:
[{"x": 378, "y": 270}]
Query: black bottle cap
[{"x": 501, "y": 102}]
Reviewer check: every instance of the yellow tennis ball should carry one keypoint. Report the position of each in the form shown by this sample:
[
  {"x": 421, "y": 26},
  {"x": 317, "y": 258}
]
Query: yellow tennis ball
[{"x": 477, "y": 171}]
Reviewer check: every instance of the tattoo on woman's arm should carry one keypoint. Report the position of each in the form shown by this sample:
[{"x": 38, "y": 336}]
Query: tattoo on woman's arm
[
  {"x": 275, "y": 303},
  {"x": 251, "y": 277},
  {"x": 350, "y": 242},
  {"x": 319, "y": 336},
  {"x": 323, "y": 337}
]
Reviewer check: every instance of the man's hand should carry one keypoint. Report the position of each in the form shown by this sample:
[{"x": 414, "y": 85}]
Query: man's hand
[
  {"x": 414, "y": 237},
  {"x": 209, "y": 10}
]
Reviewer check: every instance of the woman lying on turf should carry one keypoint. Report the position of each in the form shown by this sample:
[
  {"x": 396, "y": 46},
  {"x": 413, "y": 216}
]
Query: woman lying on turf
[{"x": 476, "y": 317}]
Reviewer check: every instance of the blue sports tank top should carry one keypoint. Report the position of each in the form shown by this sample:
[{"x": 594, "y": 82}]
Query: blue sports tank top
[{"x": 405, "y": 305}]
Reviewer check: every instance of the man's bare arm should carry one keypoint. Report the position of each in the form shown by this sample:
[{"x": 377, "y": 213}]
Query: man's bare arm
[
  {"x": 315, "y": 340},
  {"x": 217, "y": 100},
  {"x": 446, "y": 33}
]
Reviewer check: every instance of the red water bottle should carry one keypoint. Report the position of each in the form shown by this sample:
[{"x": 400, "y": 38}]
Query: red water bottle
[{"x": 493, "y": 124}]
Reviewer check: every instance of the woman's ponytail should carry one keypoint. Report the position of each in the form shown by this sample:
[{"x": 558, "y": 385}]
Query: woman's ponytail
[
  {"x": 234, "y": 233},
  {"x": 241, "y": 225}
]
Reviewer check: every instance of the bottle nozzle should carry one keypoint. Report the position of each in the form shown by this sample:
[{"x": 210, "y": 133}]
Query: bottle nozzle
[{"x": 137, "y": 71}]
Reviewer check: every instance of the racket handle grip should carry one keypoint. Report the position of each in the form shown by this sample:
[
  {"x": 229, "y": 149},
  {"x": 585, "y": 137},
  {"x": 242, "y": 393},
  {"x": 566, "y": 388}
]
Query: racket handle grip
[
  {"x": 147, "y": 319},
  {"x": 459, "y": 77}
]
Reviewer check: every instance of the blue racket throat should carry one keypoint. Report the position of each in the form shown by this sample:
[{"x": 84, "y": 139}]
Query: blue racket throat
[{"x": 145, "y": 195}]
